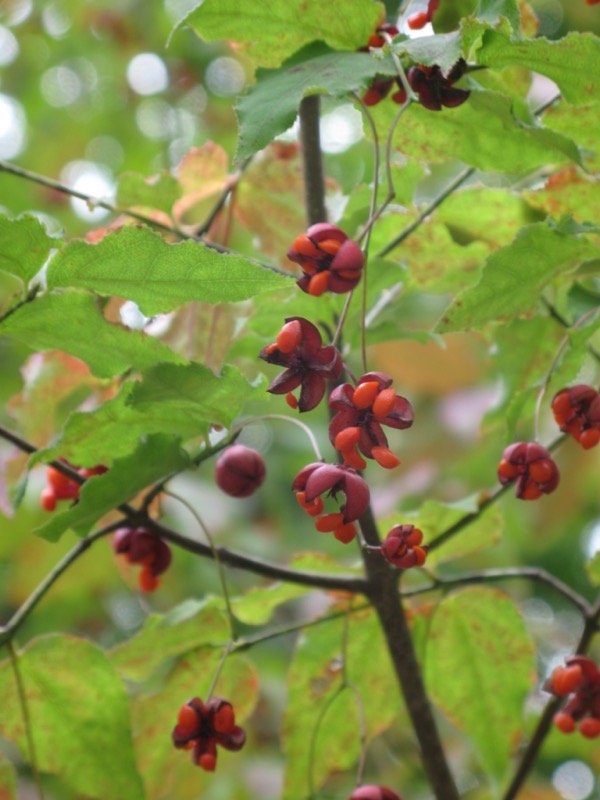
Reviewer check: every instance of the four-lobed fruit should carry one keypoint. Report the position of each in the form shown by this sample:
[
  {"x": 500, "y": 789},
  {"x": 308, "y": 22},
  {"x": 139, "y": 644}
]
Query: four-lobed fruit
[
  {"x": 329, "y": 259},
  {"x": 436, "y": 90},
  {"x": 202, "y": 726},
  {"x": 308, "y": 364},
  {"x": 319, "y": 479},
  {"x": 402, "y": 547},
  {"x": 579, "y": 681},
  {"x": 576, "y": 410},
  {"x": 360, "y": 412},
  {"x": 140, "y": 547},
  {"x": 531, "y": 468},
  {"x": 240, "y": 470}
]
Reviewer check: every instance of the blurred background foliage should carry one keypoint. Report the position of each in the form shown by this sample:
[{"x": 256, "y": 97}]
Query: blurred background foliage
[{"x": 90, "y": 91}]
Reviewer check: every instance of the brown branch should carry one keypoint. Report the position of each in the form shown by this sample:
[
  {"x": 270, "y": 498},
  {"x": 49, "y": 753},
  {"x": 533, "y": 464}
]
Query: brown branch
[
  {"x": 312, "y": 159},
  {"x": 383, "y": 593}
]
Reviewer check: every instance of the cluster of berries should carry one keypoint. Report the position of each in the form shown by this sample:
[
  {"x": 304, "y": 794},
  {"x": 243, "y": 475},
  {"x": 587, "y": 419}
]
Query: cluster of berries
[
  {"x": 202, "y": 726},
  {"x": 143, "y": 548},
  {"x": 580, "y": 681},
  {"x": 61, "y": 487},
  {"x": 576, "y": 410}
]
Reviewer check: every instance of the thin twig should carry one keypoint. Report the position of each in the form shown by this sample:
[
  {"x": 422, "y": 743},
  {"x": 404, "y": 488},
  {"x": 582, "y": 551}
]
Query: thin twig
[
  {"x": 14, "y": 660},
  {"x": 284, "y": 418},
  {"x": 42, "y": 180},
  {"x": 530, "y": 754},
  {"x": 502, "y": 574},
  {"x": 12, "y": 626},
  {"x": 220, "y": 204},
  {"x": 215, "y": 552},
  {"x": 347, "y": 583},
  {"x": 460, "y": 179}
]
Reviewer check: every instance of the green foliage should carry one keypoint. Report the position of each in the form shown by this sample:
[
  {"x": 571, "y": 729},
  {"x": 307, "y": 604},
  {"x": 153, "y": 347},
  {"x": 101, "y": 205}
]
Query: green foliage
[
  {"x": 515, "y": 276},
  {"x": 73, "y": 322},
  {"x": 24, "y": 246},
  {"x": 573, "y": 62},
  {"x": 82, "y": 726},
  {"x": 281, "y": 90},
  {"x": 278, "y": 28},
  {"x": 182, "y": 402},
  {"x": 158, "y": 276},
  {"x": 476, "y": 641}
]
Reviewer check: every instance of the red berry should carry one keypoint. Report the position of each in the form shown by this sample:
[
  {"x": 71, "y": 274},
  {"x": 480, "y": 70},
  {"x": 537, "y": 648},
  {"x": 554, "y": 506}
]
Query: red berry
[
  {"x": 590, "y": 437},
  {"x": 48, "y": 499},
  {"x": 239, "y": 471},
  {"x": 417, "y": 21},
  {"x": 147, "y": 580},
  {"x": 364, "y": 394},
  {"x": 64, "y": 488},
  {"x": 564, "y": 722},
  {"x": 187, "y": 721},
  {"x": 289, "y": 336},
  {"x": 590, "y": 727},
  {"x": 566, "y": 680},
  {"x": 385, "y": 458}
]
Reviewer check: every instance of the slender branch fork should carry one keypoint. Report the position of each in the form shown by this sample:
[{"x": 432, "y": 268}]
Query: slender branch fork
[{"x": 381, "y": 592}]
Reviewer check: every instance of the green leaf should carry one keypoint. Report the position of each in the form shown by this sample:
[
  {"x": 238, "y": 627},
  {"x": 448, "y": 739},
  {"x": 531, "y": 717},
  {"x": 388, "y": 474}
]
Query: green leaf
[
  {"x": 135, "y": 263},
  {"x": 80, "y": 714},
  {"x": 444, "y": 49},
  {"x": 514, "y": 277},
  {"x": 434, "y": 518},
  {"x": 314, "y": 677},
  {"x": 258, "y": 604},
  {"x": 193, "y": 392},
  {"x": 168, "y": 772},
  {"x": 484, "y": 132},
  {"x": 73, "y": 322},
  {"x": 155, "y": 458},
  {"x": 275, "y": 29},
  {"x": 492, "y": 11},
  {"x": 24, "y": 246},
  {"x": 182, "y": 401},
  {"x": 160, "y": 192},
  {"x": 479, "y": 668},
  {"x": 568, "y": 193},
  {"x": 168, "y": 636},
  {"x": 572, "y": 62},
  {"x": 281, "y": 91}
]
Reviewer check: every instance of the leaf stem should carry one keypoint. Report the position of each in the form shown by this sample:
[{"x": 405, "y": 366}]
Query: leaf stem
[
  {"x": 222, "y": 578},
  {"x": 284, "y": 418},
  {"x": 14, "y": 660}
]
